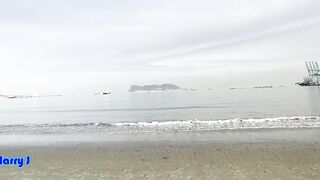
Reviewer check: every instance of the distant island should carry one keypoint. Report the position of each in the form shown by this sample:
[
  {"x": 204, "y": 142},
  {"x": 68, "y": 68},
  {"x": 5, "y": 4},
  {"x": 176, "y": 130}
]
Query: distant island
[{"x": 163, "y": 87}]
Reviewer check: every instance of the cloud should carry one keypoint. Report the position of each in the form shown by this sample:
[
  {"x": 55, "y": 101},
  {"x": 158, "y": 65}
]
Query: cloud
[{"x": 124, "y": 38}]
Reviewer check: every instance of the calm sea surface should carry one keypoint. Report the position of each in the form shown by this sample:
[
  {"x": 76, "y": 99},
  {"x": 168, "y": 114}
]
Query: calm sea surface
[{"x": 155, "y": 111}]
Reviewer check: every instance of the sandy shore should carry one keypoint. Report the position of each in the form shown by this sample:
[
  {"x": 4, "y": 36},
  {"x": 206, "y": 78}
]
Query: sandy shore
[{"x": 167, "y": 160}]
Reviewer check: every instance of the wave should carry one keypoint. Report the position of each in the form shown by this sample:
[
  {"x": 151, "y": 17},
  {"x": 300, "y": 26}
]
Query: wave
[{"x": 163, "y": 126}]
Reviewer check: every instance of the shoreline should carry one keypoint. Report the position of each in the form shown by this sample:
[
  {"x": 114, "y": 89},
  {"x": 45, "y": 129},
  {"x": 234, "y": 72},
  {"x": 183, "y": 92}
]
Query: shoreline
[{"x": 297, "y": 135}]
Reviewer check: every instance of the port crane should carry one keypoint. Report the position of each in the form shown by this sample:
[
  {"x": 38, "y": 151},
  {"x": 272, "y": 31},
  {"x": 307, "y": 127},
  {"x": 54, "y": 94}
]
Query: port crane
[{"x": 314, "y": 74}]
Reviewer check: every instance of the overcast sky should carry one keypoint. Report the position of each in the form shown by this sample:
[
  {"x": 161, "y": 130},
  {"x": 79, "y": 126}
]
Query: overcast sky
[{"x": 60, "y": 46}]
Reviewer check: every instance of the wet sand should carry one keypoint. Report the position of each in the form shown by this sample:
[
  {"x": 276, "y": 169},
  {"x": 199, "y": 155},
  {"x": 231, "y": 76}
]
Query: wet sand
[{"x": 167, "y": 160}]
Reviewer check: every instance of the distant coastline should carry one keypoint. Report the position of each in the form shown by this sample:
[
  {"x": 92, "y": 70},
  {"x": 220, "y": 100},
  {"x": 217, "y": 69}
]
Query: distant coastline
[{"x": 25, "y": 96}]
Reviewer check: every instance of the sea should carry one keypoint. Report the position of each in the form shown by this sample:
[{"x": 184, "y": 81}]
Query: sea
[{"x": 160, "y": 112}]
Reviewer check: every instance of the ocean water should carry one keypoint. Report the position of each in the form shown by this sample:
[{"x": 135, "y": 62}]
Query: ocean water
[{"x": 169, "y": 111}]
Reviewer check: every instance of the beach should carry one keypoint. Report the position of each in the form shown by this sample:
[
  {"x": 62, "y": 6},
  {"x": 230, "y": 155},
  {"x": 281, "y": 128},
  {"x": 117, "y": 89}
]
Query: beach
[
  {"x": 154, "y": 90},
  {"x": 277, "y": 154}
]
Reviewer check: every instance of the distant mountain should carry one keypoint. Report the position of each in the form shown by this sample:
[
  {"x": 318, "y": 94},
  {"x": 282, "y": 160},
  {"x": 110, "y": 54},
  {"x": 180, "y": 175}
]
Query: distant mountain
[{"x": 163, "y": 87}]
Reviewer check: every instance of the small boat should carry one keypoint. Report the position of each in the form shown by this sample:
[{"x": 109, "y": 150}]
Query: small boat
[{"x": 106, "y": 93}]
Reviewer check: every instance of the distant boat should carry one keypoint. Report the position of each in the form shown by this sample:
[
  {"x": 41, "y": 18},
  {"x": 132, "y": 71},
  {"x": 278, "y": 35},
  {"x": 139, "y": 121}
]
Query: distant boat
[
  {"x": 103, "y": 93},
  {"x": 106, "y": 93}
]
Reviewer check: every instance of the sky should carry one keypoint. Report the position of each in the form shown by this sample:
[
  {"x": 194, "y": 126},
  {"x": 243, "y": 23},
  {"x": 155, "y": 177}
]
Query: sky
[{"x": 80, "y": 45}]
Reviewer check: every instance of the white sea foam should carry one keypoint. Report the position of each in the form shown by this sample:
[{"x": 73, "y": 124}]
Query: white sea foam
[
  {"x": 238, "y": 123},
  {"x": 164, "y": 126}
]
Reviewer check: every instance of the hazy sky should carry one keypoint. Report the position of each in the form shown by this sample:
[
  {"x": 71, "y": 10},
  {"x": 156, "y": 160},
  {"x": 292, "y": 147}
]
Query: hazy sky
[{"x": 61, "y": 46}]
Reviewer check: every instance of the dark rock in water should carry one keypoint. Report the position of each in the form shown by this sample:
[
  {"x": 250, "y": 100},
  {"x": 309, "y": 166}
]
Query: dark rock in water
[{"x": 163, "y": 87}]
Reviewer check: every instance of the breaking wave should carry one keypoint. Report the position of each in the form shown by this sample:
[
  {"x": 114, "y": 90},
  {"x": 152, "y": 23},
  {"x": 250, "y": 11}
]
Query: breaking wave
[{"x": 163, "y": 126}]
